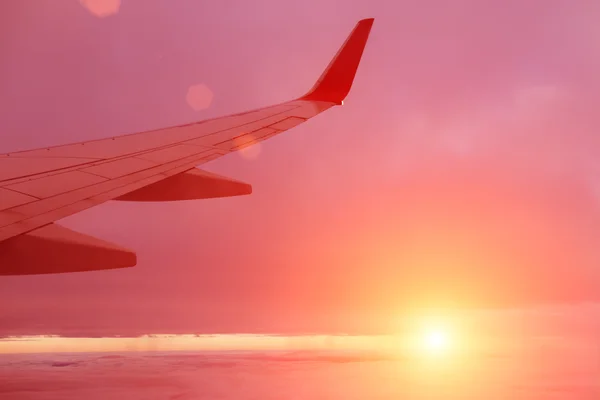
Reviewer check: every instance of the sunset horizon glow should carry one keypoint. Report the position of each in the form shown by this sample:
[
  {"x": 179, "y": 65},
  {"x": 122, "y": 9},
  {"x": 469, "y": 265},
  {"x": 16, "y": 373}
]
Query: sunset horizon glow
[{"x": 438, "y": 234}]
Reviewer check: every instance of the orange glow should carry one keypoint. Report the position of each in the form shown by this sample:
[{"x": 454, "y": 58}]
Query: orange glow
[
  {"x": 435, "y": 335},
  {"x": 431, "y": 193},
  {"x": 163, "y": 342},
  {"x": 436, "y": 341},
  {"x": 419, "y": 345}
]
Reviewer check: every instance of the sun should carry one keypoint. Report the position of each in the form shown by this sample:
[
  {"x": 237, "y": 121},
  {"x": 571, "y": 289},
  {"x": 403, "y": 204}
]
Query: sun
[
  {"x": 438, "y": 336},
  {"x": 436, "y": 341}
]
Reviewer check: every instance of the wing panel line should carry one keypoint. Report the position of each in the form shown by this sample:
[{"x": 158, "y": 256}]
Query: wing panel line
[
  {"x": 132, "y": 154},
  {"x": 22, "y": 226}
]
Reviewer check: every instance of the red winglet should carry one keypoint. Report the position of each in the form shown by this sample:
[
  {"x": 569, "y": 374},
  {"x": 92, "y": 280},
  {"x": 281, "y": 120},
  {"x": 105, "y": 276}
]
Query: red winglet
[{"x": 335, "y": 82}]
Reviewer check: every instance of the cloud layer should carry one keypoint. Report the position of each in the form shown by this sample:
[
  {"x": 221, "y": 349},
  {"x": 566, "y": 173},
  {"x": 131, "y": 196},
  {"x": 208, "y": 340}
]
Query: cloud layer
[{"x": 306, "y": 375}]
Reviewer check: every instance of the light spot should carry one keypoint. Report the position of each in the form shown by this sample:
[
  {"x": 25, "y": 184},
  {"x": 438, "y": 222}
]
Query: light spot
[
  {"x": 435, "y": 336},
  {"x": 199, "y": 97},
  {"x": 101, "y": 8},
  {"x": 435, "y": 341},
  {"x": 249, "y": 148}
]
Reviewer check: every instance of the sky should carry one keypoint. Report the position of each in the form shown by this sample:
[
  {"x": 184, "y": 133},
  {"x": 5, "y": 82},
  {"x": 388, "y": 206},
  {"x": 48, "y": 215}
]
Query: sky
[{"x": 461, "y": 172}]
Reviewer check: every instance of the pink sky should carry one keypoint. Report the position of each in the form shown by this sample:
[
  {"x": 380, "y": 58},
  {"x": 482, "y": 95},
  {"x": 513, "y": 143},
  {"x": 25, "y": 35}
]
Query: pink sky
[{"x": 471, "y": 125}]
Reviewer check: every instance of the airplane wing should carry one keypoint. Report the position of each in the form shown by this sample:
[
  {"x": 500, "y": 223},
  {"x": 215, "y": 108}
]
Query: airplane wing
[{"x": 39, "y": 187}]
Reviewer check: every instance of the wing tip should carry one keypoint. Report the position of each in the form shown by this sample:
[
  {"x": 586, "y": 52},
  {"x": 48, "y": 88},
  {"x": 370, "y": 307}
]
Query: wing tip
[{"x": 335, "y": 82}]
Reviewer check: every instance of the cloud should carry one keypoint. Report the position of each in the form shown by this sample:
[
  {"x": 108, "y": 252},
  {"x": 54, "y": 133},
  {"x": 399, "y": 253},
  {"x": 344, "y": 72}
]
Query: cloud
[
  {"x": 288, "y": 375},
  {"x": 536, "y": 97}
]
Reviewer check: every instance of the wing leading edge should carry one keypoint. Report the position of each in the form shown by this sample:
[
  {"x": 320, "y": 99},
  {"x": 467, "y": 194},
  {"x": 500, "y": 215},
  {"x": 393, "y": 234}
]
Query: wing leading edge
[{"x": 39, "y": 187}]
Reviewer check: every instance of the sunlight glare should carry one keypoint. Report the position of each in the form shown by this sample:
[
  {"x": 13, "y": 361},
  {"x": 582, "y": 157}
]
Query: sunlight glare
[
  {"x": 436, "y": 341},
  {"x": 435, "y": 336}
]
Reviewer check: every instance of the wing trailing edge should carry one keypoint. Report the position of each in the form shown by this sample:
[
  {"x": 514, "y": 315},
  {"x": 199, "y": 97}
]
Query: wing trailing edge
[{"x": 54, "y": 249}]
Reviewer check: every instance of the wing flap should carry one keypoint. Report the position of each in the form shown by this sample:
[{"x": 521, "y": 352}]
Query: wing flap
[
  {"x": 194, "y": 184},
  {"x": 55, "y": 249}
]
